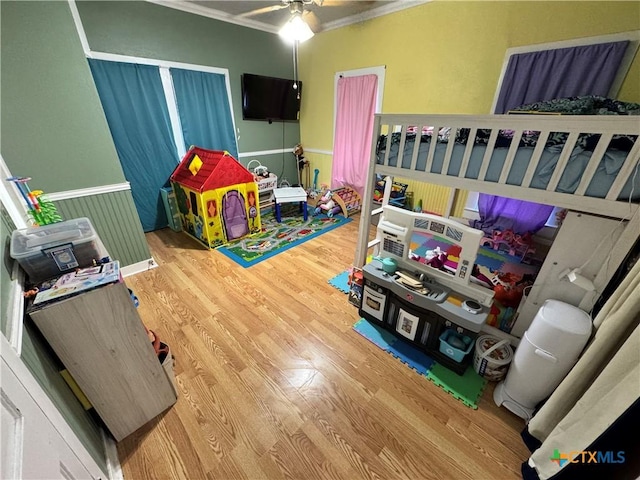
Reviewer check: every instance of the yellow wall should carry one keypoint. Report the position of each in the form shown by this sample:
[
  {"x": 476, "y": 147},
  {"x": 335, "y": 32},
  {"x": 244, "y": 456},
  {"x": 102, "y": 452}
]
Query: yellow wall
[{"x": 444, "y": 57}]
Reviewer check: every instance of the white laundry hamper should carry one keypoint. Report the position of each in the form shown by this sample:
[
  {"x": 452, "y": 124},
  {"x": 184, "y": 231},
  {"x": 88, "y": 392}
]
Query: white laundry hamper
[{"x": 547, "y": 351}]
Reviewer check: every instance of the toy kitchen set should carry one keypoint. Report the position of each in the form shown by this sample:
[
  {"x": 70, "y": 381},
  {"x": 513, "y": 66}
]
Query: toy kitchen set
[{"x": 420, "y": 286}]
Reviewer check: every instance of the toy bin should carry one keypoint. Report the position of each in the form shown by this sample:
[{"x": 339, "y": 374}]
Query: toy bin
[
  {"x": 492, "y": 357},
  {"x": 454, "y": 345},
  {"x": 50, "y": 250}
]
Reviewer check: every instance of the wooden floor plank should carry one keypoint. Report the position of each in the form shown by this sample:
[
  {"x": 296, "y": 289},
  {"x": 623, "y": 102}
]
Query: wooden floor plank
[{"x": 275, "y": 384}]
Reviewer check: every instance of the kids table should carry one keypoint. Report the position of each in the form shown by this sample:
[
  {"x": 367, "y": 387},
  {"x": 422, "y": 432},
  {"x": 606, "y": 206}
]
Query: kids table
[{"x": 288, "y": 195}]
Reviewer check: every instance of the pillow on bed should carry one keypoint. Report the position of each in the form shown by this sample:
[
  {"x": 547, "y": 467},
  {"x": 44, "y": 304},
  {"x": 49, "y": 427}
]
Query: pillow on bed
[
  {"x": 482, "y": 137},
  {"x": 584, "y": 105}
]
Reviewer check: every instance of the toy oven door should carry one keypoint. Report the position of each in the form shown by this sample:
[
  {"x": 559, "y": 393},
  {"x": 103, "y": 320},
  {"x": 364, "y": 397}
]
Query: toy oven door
[{"x": 373, "y": 302}]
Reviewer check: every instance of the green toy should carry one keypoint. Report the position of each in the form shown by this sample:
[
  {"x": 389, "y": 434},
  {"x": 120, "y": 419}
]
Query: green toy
[{"x": 41, "y": 210}]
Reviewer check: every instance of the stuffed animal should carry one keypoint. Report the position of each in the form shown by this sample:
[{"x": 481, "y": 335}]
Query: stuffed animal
[{"x": 325, "y": 204}]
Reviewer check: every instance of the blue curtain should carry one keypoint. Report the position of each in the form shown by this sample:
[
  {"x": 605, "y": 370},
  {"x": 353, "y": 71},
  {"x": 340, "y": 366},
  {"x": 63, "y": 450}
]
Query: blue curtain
[
  {"x": 204, "y": 108},
  {"x": 134, "y": 104}
]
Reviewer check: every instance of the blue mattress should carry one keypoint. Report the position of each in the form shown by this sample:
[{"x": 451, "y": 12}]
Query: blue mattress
[{"x": 602, "y": 180}]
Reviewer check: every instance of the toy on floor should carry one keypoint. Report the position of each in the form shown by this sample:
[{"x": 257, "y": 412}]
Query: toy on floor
[
  {"x": 327, "y": 205},
  {"x": 302, "y": 164},
  {"x": 312, "y": 190},
  {"x": 398, "y": 195},
  {"x": 343, "y": 200},
  {"x": 513, "y": 243},
  {"x": 348, "y": 199}
]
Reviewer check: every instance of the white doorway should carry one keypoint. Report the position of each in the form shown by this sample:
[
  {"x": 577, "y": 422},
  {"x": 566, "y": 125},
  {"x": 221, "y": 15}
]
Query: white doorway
[{"x": 32, "y": 447}]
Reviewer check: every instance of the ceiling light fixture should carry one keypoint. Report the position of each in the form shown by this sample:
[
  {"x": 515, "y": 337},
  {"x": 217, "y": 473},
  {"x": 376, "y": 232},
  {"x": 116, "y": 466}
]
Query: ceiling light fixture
[{"x": 296, "y": 29}]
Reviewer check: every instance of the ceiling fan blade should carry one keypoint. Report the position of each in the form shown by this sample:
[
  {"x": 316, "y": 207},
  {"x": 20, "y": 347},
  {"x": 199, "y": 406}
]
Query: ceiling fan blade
[
  {"x": 261, "y": 11},
  {"x": 336, "y": 3},
  {"x": 312, "y": 20},
  {"x": 329, "y": 3}
]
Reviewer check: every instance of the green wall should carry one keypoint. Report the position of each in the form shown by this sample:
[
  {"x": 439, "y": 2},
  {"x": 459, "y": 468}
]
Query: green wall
[
  {"x": 143, "y": 29},
  {"x": 53, "y": 127}
]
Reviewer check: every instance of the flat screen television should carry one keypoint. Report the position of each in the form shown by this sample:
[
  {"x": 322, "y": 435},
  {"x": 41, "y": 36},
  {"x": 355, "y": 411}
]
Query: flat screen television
[{"x": 270, "y": 98}]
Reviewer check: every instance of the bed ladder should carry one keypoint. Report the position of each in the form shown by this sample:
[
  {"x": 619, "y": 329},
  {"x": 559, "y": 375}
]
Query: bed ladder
[{"x": 388, "y": 184}]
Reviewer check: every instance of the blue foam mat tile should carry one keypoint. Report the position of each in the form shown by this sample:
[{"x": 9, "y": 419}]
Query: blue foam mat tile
[
  {"x": 411, "y": 356},
  {"x": 376, "y": 335},
  {"x": 341, "y": 282},
  {"x": 465, "y": 388}
]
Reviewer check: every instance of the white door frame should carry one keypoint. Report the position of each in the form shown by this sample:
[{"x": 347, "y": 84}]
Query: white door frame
[{"x": 31, "y": 385}]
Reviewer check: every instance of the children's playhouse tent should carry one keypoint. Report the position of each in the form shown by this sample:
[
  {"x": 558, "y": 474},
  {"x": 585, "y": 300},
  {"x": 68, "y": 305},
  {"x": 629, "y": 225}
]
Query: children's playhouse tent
[{"x": 217, "y": 197}]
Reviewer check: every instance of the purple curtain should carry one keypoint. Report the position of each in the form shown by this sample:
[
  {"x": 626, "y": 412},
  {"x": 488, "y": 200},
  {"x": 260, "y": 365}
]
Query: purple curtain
[
  {"x": 534, "y": 77},
  {"x": 563, "y": 72},
  {"x": 499, "y": 213}
]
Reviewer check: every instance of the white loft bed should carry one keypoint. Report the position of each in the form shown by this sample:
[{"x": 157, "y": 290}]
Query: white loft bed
[
  {"x": 601, "y": 182},
  {"x": 597, "y": 181}
]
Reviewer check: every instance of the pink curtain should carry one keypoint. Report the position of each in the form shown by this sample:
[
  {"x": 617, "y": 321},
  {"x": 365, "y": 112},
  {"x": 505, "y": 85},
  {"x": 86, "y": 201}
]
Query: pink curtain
[{"x": 354, "y": 127}]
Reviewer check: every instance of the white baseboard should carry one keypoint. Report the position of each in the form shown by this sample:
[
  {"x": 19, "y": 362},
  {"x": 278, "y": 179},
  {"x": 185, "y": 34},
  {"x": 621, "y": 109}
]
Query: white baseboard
[{"x": 139, "y": 267}]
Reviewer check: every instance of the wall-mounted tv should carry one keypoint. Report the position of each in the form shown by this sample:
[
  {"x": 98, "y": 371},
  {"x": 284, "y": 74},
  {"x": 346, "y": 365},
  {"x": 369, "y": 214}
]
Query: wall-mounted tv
[{"x": 270, "y": 98}]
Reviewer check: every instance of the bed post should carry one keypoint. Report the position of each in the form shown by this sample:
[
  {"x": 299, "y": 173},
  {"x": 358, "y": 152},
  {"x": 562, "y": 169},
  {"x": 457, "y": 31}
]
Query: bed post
[
  {"x": 365, "y": 213},
  {"x": 452, "y": 196},
  {"x": 618, "y": 252}
]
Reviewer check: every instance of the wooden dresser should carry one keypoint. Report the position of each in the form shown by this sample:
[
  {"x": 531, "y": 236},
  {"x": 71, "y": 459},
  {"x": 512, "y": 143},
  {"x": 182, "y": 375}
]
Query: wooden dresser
[{"x": 100, "y": 339}]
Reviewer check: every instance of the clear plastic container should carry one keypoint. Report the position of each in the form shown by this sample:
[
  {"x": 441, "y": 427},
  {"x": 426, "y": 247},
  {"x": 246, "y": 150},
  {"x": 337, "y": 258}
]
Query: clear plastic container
[{"x": 50, "y": 250}]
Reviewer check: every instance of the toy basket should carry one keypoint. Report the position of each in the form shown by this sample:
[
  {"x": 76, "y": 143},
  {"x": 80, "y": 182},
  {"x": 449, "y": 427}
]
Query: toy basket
[{"x": 265, "y": 180}]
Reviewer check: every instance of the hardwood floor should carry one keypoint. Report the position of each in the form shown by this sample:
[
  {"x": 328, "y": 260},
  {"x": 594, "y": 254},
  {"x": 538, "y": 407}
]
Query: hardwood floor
[{"x": 274, "y": 383}]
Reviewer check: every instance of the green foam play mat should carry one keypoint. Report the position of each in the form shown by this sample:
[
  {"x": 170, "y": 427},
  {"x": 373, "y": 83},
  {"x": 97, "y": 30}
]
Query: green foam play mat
[
  {"x": 275, "y": 237},
  {"x": 466, "y": 388}
]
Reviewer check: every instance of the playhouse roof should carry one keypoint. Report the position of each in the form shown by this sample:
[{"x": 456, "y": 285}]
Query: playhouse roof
[{"x": 215, "y": 169}]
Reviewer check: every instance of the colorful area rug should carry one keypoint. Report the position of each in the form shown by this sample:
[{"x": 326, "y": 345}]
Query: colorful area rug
[
  {"x": 277, "y": 237},
  {"x": 466, "y": 388}
]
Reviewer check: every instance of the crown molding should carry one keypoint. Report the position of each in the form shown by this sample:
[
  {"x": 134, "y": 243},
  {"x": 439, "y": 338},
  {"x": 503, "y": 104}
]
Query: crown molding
[{"x": 191, "y": 7}]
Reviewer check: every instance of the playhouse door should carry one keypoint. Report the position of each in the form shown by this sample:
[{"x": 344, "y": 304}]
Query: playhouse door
[{"x": 234, "y": 215}]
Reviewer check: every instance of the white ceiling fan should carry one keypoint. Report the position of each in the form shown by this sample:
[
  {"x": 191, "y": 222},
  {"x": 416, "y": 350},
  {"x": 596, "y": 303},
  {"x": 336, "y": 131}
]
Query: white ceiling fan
[{"x": 298, "y": 15}]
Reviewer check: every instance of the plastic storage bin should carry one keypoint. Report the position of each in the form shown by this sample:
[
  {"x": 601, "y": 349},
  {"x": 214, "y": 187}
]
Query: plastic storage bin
[
  {"x": 456, "y": 351},
  {"x": 50, "y": 250}
]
